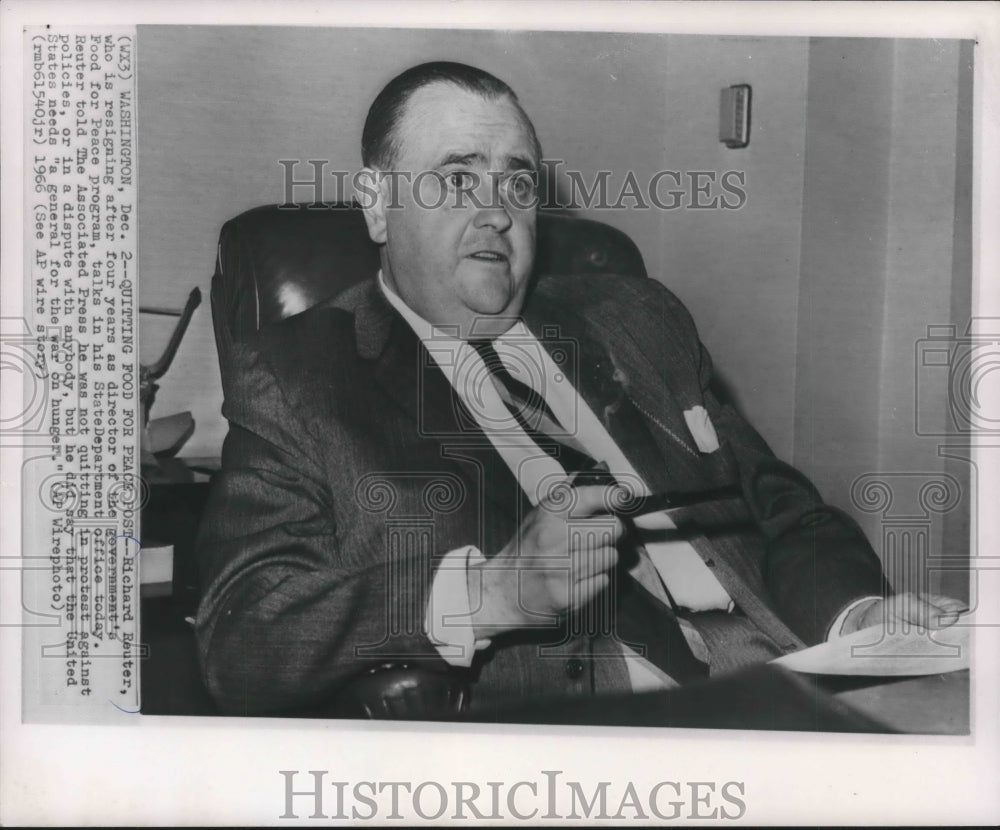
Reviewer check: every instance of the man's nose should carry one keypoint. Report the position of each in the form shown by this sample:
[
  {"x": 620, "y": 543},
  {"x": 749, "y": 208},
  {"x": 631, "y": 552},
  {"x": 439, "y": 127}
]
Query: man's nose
[{"x": 493, "y": 215}]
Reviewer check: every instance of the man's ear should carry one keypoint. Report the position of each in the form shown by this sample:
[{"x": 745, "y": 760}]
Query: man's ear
[{"x": 370, "y": 188}]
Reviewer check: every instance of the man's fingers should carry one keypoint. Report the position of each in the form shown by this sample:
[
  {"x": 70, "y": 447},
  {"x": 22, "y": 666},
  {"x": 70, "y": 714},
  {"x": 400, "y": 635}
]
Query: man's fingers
[
  {"x": 948, "y": 604},
  {"x": 590, "y": 562},
  {"x": 579, "y": 502},
  {"x": 585, "y": 590},
  {"x": 591, "y": 531},
  {"x": 929, "y": 610},
  {"x": 944, "y": 611},
  {"x": 589, "y": 501},
  {"x": 910, "y": 608}
]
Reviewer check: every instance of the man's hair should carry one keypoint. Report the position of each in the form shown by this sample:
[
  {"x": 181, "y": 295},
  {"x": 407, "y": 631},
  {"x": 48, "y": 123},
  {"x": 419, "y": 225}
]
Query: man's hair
[{"x": 380, "y": 142}]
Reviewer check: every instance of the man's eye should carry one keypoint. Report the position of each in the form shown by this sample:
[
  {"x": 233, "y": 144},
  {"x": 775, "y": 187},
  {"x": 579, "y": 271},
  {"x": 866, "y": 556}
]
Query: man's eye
[
  {"x": 461, "y": 180},
  {"x": 521, "y": 187}
]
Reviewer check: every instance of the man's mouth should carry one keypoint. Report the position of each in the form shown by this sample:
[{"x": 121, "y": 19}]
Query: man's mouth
[{"x": 488, "y": 256}]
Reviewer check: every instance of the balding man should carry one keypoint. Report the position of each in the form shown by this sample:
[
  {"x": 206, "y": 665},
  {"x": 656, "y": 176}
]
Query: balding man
[{"x": 529, "y": 425}]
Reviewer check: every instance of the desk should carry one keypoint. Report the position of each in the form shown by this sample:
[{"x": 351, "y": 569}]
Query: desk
[
  {"x": 937, "y": 704},
  {"x": 773, "y": 699}
]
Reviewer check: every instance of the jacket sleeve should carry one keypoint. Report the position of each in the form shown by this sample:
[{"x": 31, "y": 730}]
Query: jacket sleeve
[
  {"x": 817, "y": 560},
  {"x": 287, "y": 614}
]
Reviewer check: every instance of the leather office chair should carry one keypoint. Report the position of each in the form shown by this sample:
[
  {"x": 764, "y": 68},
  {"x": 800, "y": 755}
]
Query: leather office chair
[{"x": 274, "y": 262}]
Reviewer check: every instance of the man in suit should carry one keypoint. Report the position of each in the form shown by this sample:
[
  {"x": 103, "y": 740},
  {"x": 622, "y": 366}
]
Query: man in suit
[{"x": 445, "y": 465}]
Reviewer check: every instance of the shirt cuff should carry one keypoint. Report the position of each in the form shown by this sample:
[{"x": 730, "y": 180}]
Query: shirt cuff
[
  {"x": 448, "y": 621},
  {"x": 847, "y": 620}
]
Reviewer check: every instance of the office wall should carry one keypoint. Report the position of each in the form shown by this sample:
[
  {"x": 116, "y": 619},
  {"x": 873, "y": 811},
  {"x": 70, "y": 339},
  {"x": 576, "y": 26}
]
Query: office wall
[
  {"x": 738, "y": 270},
  {"x": 883, "y": 258},
  {"x": 844, "y": 238}
]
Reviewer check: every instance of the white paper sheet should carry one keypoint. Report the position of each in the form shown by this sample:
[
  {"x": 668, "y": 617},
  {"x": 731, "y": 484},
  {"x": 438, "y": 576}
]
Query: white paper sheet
[{"x": 875, "y": 652}]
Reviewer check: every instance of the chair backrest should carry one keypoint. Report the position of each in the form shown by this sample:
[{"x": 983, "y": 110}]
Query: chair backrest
[{"x": 276, "y": 261}]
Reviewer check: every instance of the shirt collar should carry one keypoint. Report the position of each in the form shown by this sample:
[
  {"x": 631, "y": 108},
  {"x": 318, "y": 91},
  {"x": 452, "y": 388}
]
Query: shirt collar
[{"x": 426, "y": 331}]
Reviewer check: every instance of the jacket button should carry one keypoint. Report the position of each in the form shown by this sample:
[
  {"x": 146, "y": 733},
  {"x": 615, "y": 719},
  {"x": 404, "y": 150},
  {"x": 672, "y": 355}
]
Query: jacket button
[
  {"x": 710, "y": 563},
  {"x": 574, "y": 668}
]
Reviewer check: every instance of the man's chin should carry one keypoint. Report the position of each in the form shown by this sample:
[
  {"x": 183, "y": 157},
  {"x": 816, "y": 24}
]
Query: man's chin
[
  {"x": 491, "y": 317},
  {"x": 492, "y": 291}
]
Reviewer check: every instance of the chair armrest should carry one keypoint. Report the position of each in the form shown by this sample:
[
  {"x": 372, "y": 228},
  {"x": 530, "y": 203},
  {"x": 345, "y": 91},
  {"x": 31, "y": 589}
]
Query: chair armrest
[{"x": 405, "y": 691}]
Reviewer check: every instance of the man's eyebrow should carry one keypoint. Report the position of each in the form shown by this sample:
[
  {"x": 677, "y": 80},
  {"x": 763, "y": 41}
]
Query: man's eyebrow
[
  {"x": 512, "y": 162},
  {"x": 462, "y": 158},
  {"x": 521, "y": 163}
]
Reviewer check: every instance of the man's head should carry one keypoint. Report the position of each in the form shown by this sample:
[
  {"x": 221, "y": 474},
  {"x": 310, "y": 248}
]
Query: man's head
[{"x": 457, "y": 233}]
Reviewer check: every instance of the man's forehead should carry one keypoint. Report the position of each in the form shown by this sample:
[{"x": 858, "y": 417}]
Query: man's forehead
[{"x": 443, "y": 123}]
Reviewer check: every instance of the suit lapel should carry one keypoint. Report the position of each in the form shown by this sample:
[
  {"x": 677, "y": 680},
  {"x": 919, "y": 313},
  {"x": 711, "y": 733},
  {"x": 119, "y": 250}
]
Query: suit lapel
[
  {"x": 611, "y": 376},
  {"x": 412, "y": 381},
  {"x": 613, "y": 366}
]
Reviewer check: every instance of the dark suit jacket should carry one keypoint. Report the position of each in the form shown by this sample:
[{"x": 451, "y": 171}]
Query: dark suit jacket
[{"x": 350, "y": 469}]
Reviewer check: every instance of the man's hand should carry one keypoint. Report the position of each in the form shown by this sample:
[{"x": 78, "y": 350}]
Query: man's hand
[
  {"x": 557, "y": 561},
  {"x": 925, "y": 611}
]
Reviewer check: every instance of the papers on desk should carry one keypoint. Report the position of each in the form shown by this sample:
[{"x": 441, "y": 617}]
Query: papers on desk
[
  {"x": 156, "y": 570},
  {"x": 875, "y": 652}
]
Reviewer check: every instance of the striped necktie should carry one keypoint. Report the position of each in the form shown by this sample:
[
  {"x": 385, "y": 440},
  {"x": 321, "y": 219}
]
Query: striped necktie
[
  {"x": 641, "y": 621},
  {"x": 533, "y": 414}
]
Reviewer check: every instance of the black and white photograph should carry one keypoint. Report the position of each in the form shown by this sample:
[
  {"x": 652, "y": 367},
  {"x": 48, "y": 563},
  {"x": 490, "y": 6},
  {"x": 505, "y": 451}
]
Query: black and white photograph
[
  {"x": 544, "y": 369},
  {"x": 564, "y": 385}
]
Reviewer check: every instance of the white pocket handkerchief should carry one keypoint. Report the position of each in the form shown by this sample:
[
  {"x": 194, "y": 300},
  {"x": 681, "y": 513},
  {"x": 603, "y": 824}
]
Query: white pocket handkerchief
[{"x": 700, "y": 426}]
